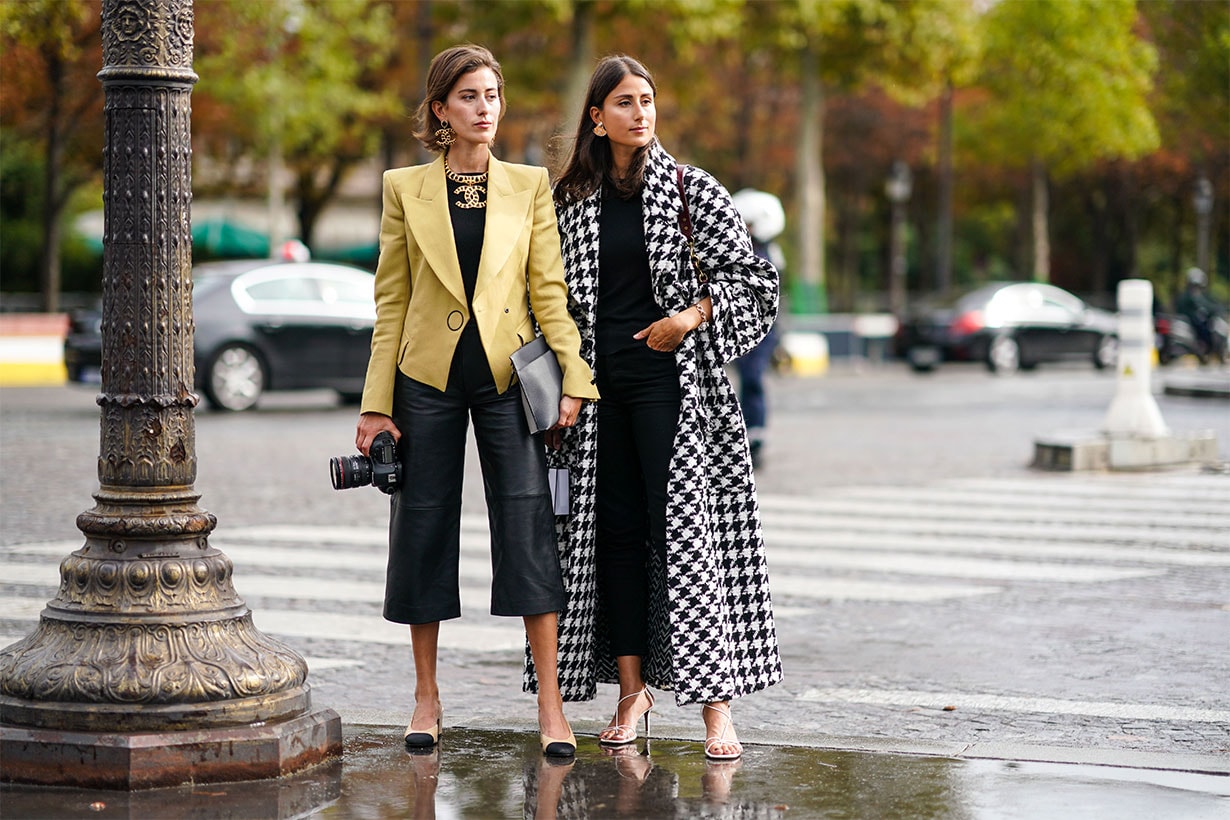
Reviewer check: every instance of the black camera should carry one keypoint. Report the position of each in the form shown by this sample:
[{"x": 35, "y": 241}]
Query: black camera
[{"x": 382, "y": 469}]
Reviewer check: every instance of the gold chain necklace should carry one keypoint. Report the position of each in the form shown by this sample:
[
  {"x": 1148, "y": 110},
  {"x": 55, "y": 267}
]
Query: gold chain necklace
[{"x": 471, "y": 188}]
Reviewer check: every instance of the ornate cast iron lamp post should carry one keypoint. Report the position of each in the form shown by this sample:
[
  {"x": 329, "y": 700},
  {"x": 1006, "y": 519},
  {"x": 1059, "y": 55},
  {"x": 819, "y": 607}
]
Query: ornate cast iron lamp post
[
  {"x": 146, "y": 669},
  {"x": 898, "y": 188},
  {"x": 1202, "y": 200}
]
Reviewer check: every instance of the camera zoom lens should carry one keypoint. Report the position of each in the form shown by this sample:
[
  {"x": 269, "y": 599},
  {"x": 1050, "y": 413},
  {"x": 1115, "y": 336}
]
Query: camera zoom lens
[{"x": 350, "y": 471}]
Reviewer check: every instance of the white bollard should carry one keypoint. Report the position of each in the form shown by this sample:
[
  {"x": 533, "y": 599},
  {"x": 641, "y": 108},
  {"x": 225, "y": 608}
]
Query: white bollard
[{"x": 1133, "y": 411}]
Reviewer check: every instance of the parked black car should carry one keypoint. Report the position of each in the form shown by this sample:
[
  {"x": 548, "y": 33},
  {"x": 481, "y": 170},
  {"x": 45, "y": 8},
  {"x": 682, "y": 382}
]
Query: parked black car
[
  {"x": 1010, "y": 326},
  {"x": 262, "y": 325}
]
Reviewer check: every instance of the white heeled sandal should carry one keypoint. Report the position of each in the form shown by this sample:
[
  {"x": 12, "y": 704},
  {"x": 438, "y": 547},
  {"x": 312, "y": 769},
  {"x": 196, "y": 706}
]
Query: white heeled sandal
[
  {"x": 628, "y": 729},
  {"x": 720, "y": 739}
]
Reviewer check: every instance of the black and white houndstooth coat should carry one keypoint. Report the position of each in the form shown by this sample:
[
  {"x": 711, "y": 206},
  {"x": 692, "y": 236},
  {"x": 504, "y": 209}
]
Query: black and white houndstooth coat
[{"x": 712, "y": 635}]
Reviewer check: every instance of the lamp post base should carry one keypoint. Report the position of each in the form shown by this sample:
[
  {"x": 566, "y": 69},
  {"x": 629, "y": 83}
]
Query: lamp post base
[{"x": 147, "y": 760}]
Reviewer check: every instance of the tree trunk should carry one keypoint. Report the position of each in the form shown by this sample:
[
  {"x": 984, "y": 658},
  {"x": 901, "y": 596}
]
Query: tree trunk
[
  {"x": 943, "y": 230},
  {"x": 811, "y": 188},
  {"x": 1097, "y": 205},
  {"x": 1131, "y": 227},
  {"x": 312, "y": 200},
  {"x": 424, "y": 31},
  {"x": 1041, "y": 232},
  {"x": 849, "y": 232},
  {"x": 581, "y": 63}
]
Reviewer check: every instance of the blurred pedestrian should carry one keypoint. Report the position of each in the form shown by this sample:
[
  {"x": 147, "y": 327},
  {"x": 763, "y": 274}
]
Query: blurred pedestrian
[
  {"x": 468, "y": 244},
  {"x": 663, "y": 553},
  {"x": 765, "y": 219}
]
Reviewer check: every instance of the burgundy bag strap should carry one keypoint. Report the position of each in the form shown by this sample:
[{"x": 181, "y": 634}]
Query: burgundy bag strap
[
  {"x": 685, "y": 225},
  {"x": 685, "y": 216}
]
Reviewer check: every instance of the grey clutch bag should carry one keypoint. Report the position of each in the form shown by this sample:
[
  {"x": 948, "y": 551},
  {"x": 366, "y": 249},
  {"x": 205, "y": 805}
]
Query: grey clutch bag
[{"x": 542, "y": 383}]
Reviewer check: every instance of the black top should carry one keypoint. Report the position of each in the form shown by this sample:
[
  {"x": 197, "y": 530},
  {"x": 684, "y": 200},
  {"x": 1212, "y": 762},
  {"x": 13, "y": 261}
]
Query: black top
[
  {"x": 468, "y": 229},
  {"x": 469, "y": 226},
  {"x": 625, "y": 289}
]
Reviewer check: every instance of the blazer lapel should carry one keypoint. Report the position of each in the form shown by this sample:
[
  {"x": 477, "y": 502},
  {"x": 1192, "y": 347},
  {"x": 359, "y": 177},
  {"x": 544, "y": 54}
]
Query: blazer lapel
[
  {"x": 428, "y": 218},
  {"x": 506, "y": 211}
]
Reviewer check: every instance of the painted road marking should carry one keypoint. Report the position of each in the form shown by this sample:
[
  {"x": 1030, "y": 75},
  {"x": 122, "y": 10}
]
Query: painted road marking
[
  {"x": 928, "y": 544},
  {"x": 914, "y": 564},
  {"x": 1053, "y": 706},
  {"x": 1039, "y": 503},
  {"x": 779, "y": 509},
  {"x": 337, "y": 626},
  {"x": 846, "y": 589},
  {"x": 999, "y": 529}
]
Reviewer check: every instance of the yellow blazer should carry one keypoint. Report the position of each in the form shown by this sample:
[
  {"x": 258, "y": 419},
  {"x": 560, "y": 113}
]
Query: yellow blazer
[{"x": 421, "y": 300}]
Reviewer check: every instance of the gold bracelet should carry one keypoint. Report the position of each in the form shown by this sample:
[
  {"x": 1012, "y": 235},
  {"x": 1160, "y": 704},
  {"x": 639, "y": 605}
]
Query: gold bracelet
[{"x": 704, "y": 320}]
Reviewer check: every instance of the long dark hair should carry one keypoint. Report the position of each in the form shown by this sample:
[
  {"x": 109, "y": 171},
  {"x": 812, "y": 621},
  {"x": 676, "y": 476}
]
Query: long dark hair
[
  {"x": 590, "y": 163},
  {"x": 446, "y": 69}
]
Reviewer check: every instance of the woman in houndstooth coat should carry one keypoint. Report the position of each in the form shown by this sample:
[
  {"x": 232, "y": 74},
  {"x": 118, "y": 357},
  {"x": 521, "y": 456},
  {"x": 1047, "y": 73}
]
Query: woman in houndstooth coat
[{"x": 663, "y": 554}]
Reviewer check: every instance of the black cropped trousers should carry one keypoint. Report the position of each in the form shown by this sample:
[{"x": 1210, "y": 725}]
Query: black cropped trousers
[{"x": 422, "y": 583}]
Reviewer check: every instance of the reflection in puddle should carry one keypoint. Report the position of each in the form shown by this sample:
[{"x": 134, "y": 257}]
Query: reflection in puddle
[
  {"x": 486, "y": 774},
  {"x": 501, "y": 774}
]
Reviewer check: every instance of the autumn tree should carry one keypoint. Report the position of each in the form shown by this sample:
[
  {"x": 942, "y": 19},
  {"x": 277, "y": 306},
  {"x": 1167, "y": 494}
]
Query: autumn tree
[
  {"x": 295, "y": 84},
  {"x": 1068, "y": 84},
  {"x": 50, "y": 52}
]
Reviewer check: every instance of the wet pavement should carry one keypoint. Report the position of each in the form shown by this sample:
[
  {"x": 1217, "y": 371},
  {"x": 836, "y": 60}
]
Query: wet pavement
[
  {"x": 1026, "y": 645},
  {"x": 478, "y": 773}
]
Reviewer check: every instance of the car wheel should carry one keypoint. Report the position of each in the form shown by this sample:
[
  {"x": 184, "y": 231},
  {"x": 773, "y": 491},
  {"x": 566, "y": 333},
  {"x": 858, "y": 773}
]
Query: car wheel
[
  {"x": 235, "y": 378},
  {"x": 1106, "y": 354},
  {"x": 922, "y": 359},
  {"x": 1004, "y": 355}
]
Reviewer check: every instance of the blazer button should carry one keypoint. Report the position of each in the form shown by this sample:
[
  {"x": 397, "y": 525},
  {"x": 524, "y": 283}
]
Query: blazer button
[
  {"x": 456, "y": 320},
  {"x": 505, "y": 310}
]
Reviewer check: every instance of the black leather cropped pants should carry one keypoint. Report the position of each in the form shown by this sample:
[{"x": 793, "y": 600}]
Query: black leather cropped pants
[{"x": 425, "y": 526}]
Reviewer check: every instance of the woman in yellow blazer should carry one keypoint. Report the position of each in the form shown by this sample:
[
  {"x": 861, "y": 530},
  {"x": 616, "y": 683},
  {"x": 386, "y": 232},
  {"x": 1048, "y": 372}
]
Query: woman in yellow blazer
[{"x": 468, "y": 246}]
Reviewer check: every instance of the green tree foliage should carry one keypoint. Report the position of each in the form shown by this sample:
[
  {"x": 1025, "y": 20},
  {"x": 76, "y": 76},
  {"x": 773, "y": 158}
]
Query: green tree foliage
[
  {"x": 1194, "y": 87},
  {"x": 296, "y": 81},
  {"x": 809, "y": 99},
  {"x": 1068, "y": 84}
]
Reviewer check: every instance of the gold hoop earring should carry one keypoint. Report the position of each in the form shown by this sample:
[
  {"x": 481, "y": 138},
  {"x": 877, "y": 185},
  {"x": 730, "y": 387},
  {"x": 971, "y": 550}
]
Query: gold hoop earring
[
  {"x": 445, "y": 136},
  {"x": 600, "y": 130}
]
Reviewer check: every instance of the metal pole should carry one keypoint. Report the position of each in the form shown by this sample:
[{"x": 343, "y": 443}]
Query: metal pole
[
  {"x": 1202, "y": 199},
  {"x": 147, "y": 646},
  {"x": 898, "y": 188}
]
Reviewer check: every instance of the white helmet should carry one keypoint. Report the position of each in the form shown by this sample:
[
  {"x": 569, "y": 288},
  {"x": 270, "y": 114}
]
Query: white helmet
[
  {"x": 762, "y": 212},
  {"x": 1196, "y": 277}
]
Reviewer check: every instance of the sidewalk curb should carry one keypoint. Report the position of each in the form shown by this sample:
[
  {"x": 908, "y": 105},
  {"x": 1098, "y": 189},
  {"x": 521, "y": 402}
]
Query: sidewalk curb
[{"x": 1117, "y": 758}]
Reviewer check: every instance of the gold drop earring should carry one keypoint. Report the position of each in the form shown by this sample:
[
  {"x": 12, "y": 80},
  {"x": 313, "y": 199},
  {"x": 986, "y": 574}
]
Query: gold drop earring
[
  {"x": 445, "y": 135},
  {"x": 600, "y": 130}
]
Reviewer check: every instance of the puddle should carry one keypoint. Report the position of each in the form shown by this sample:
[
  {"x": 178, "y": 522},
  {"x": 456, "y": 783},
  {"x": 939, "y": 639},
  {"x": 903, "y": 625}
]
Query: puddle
[{"x": 485, "y": 774}]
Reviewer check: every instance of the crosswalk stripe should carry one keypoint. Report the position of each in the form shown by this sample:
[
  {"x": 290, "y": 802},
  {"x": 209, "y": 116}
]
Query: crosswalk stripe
[
  {"x": 992, "y": 497},
  {"x": 250, "y": 585},
  {"x": 479, "y": 570},
  {"x": 1059, "y": 550},
  {"x": 374, "y": 629},
  {"x": 922, "y": 510},
  {"x": 338, "y": 627},
  {"x": 1175, "y": 488},
  {"x": 18, "y": 608},
  {"x": 913, "y": 564},
  {"x": 976, "y": 702},
  {"x": 992, "y": 529},
  {"x": 844, "y": 589}
]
